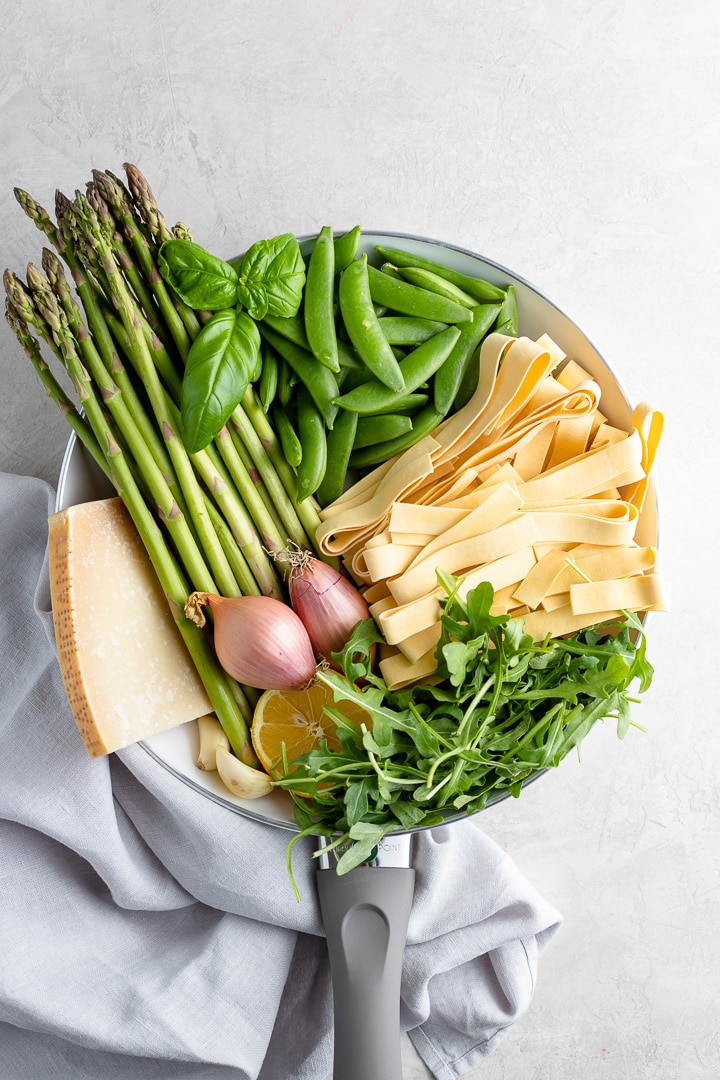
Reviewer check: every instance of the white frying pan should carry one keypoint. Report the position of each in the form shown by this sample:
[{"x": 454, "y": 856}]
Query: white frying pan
[{"x": 366, "y": 911}]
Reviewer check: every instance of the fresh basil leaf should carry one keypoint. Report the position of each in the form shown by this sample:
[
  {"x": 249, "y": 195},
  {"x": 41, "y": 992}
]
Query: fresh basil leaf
[
  {"x": 216, "y": 375},
  {"x": 271, "y": 277},
  {"x": 202, "y": 280}
]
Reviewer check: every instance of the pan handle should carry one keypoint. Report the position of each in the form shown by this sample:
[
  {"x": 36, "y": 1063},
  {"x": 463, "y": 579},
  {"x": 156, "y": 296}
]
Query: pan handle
[{"x": 366, "y": 914}]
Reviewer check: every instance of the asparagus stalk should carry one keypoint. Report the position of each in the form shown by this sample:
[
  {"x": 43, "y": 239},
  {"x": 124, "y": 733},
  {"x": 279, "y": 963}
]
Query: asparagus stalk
[
  {"x": 255, "y": 567},
  {"x": 146, "y": 204},
  {"x": 55, "y": 325},
  {"x": 224, "y": 697},
  {"x": 122, "y": 300},
  {"x": 52, "y": 387},
  {"x": 61, "y": 288},
  {"x": 280, "y": 479},
  {"x": 238, "y": 562},
  {"x": 114, "y": 198},
  {"x": 271, "y": 537},
  {"x": 180, "y": 231},
  {"x": 125, "y": 260},
  {"x": 149, "y": 212},
  {"x": 38, "y": 214},
  {"x": 256, "y": 479}
]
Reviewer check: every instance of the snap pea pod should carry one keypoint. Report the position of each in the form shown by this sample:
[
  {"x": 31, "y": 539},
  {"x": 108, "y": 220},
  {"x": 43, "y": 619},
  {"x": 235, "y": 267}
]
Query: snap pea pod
[
  {"x": 346, "y": 248},
  {"x": 372, "y": 430},
  {"x": 286, "y": 382},
  {"x": 318, "y": 301},
  {"x": 268, "y": 381},
  {"x": 339, "y": 447},
  {"x": 506, "y": 323},
  {"x": 292, "y": 328},
  {"x": 483, "y": 290},
  {"x": 391, "y": 271},
  {"x": 423, "y": 424},
  {"x": 507, "y": 320},
  {"x": 362, "y": 325},
  {"x": 348, "y": 356},
  {"x": 405, "y": 330},
  {"x": 426, "y": 279},
  {"x": 405, "y": 403},
  {"x": 419, "y": 366},
  {"x": 449, "y": 377},
  {"x": 406, "y": 299},
  {"x": 311, "y": 432},
  {"x": 316, "y": 378},
  {"x": 291, "y": 446}
]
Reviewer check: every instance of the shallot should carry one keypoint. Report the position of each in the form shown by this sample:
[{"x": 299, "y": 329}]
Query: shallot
[
  {"x": 258, "y": 640},
  {"x": 328, "y": 604}
]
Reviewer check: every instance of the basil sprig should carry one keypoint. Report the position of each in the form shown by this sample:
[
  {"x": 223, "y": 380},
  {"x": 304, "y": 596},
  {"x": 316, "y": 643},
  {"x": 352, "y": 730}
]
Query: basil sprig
[{"x": 225, "y": 356}]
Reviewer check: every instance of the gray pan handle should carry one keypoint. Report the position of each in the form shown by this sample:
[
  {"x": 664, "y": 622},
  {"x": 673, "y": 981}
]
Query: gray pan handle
[{"x": 366, "y": 914}]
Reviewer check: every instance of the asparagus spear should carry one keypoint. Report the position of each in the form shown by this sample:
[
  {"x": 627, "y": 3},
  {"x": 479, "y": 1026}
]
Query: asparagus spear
[
  {"x": 149, "y": 212},
  {"x": 113, "y": 196},
  {"x": 52, "y": 387},
  {"x": 50, "y": 317},
  {"x": 125, "y": 261},
  {"x": 223, "y": 696},
  {"x": 57, "y": 280},
  {"x": 160, "y": 404}
]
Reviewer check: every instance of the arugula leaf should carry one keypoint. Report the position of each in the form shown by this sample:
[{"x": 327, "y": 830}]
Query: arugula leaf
[
  {"x": 502, "y": 709},
  {"x": 271, "y": 275},
  {"x": 202, "y": 280}
]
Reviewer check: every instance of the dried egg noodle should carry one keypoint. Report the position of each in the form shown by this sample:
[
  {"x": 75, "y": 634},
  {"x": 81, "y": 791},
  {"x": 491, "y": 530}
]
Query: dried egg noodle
[{"x": 528, "y": 487}]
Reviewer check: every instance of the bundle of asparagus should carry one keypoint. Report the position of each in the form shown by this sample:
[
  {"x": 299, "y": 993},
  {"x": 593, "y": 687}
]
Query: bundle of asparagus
[{"x": 209, "y": 519}]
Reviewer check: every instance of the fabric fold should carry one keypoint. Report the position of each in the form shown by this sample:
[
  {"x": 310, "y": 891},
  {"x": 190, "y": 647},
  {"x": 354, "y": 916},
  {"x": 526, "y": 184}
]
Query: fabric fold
[{"x": 148, "y": 932}]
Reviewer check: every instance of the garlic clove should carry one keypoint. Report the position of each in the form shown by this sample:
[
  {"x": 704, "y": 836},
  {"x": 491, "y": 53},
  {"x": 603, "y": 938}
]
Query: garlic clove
[
  {"x": 211, "y": 737},
  {"x": 241, "y": 779}
]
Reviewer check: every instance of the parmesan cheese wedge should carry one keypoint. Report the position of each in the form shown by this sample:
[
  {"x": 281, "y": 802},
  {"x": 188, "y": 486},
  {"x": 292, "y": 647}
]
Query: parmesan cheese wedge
[{"x": 126, "y": 670}]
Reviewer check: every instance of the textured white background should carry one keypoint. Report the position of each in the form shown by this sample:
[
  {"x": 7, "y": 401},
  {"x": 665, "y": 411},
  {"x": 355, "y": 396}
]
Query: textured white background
[{"x": 577, "y": 142}]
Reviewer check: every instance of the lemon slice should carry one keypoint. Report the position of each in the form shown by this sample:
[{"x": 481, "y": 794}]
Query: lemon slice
[{"x": 295, "y": 720}]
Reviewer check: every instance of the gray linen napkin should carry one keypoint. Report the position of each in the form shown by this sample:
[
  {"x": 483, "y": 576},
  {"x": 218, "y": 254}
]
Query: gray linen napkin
[{"x": 146, "y": 932}]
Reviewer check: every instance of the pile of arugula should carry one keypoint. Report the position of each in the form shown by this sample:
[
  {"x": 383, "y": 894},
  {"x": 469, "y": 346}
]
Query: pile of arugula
[{"x": 501, "y": 709}]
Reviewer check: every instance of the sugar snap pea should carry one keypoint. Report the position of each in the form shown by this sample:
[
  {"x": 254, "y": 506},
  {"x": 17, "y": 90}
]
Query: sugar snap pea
[
  {"x": 346, "y": 248},
  {"x": 291, "y": 446},
  {"x": 449, "y": 377},
  {"x": 403, "y": 403},
  {"x": 372, "y": 430},
  {"x": 318, "y": 301},
  {"x": 286, "y": 382},
  {"x": 267, "y": 384},
  {"x": 423, "y": 424},
  {"x": 391, "y": 270},
  {"x": 426, "y": 279},
  {"x": 406, "y": 330},
  {"x": 507, "y": 320},
  {"x": 483, "y": 290},
  {"x": 416, "y": 369},
  {"x": 362, "y": 326},
  {"x": 406, "y": 299},
  {"x": 319, "y": 380},
  {"x": 311, "y": 432},
  {"x": 291, "y": 327},
  {"x": 339, "y": 447}
]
